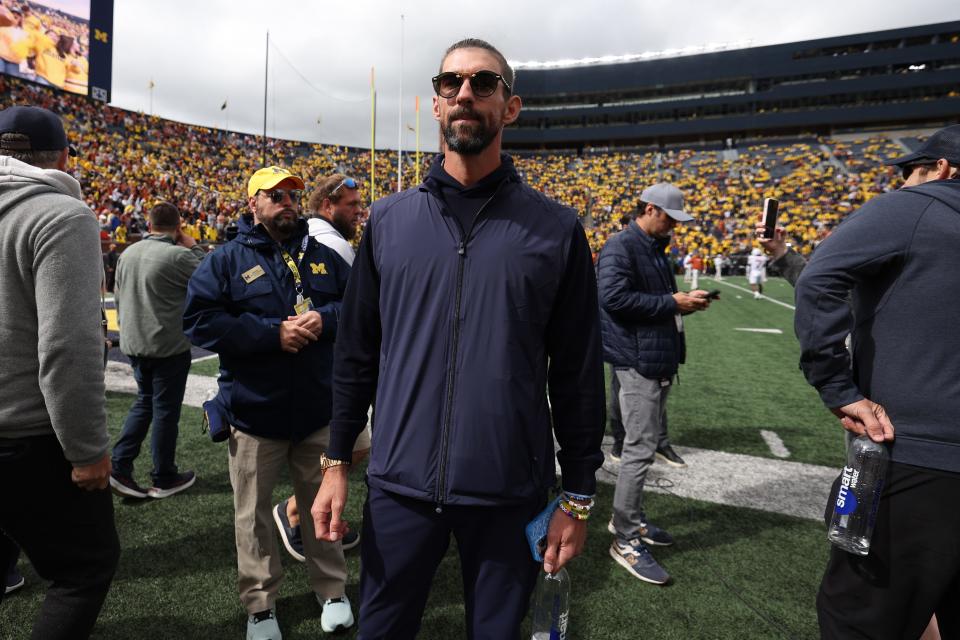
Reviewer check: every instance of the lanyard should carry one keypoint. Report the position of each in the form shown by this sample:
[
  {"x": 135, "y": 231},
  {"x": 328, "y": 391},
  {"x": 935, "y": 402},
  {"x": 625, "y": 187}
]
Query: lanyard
[{"x": 292, "y": 265}]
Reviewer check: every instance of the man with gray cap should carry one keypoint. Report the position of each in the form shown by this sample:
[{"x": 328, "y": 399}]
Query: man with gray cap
[
  {"x": 53, "y": 423},
  {"x": 641, "y": 314},
  {"x": 889, "y": 265}
]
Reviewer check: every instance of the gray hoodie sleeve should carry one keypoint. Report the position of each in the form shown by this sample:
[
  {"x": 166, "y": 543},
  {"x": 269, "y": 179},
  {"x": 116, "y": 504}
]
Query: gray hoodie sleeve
[
  {"x": 790, "y": 265},
  {"x": 68, "y": 270},
  {"x": 865, "y": 244}
]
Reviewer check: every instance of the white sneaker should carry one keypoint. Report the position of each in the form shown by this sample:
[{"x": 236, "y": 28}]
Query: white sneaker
[
  {"x": 336, "y": 614},
  {"x": 263, "y": 626}
]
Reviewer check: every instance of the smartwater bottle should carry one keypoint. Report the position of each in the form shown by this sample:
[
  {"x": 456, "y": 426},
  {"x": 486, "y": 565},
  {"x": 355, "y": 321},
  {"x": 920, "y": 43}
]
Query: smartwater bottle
[
  {"x": 551, "y": 606},
  {"x": 855, "y": 509}
]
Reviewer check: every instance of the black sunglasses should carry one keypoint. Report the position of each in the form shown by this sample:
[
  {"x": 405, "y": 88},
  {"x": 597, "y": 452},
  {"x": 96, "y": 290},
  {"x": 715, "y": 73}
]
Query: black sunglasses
[
  {"x": 483, "y": 83},
  {"x": 907, "y": 170},
  {"x": 349, "y": 183},
  {"x": 277, "y": 195}
]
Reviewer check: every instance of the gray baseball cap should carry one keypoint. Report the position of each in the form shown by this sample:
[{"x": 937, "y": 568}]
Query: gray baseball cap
[{"x": 669, "y": 198}]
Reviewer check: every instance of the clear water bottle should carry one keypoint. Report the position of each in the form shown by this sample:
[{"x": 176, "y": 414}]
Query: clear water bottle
[
  {"x": 551, "y": 606},
  {"x": 855, "y": 508}
]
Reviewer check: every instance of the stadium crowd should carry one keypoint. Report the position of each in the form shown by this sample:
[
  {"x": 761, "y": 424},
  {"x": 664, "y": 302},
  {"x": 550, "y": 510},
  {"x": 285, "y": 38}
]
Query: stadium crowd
[{"x": 128, "y": 161}]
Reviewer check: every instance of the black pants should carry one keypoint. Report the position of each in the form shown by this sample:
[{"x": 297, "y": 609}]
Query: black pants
[
  {"x": 403, "y": 541},
  {"x": 67, "y": 533},
  {"x": 913, "y": 569}
]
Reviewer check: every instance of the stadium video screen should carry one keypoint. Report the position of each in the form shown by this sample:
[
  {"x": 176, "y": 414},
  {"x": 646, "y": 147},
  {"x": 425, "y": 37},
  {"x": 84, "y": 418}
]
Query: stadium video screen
[{"x": 64, "y": 44}]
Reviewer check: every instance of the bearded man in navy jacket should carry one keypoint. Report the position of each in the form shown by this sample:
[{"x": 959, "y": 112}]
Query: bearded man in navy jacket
[{"x": 470, "y": 293}]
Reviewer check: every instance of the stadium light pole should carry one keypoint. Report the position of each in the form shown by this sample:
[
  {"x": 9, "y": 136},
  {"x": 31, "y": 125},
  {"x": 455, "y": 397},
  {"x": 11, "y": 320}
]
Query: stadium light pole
[
  {"x": 400, "y": 117},
  {"x": 266, "y": 72}
]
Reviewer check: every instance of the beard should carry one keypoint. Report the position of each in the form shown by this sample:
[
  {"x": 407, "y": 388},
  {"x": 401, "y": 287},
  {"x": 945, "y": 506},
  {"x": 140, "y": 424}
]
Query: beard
[
  {"x": 344, "y": 225},
  {"x": 281, "y": 225},
  {"x": 470, "y": 139}
]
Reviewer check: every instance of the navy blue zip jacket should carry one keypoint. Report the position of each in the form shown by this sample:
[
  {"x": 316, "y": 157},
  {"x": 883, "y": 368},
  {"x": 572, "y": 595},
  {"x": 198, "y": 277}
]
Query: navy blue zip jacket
[
  {"x": 459, "y": 332},
  {"x": 897, "y": 256},
  {"x": 266, "y": 391},
  {"x": 637, "y": 309}
]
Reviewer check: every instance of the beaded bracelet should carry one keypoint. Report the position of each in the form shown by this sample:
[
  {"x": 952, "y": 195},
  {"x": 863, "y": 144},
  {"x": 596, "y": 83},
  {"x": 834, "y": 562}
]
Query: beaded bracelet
[
  {"x": 575, "y": 501},
  {"x": 576, "y": 514}
]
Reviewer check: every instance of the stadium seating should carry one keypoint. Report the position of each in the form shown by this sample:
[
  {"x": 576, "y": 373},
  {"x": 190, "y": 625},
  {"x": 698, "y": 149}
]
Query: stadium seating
[{"x": 129, "y": 160}]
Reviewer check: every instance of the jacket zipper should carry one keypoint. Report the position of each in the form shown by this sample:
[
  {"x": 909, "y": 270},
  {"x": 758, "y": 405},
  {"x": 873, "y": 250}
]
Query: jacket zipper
[{"x": 451, "y": 372}]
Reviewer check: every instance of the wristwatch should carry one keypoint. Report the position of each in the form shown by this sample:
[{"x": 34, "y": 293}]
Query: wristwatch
[{"x": 326, "y": 463}]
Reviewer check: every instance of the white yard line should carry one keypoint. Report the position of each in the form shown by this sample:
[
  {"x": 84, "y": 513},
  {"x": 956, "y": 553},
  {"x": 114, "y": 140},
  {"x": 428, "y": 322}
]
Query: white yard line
[
  {"x": 738, "y": 480},
  {"x": 745, "y": 290},
  {"x": 202, "y": 358},
  {"x": 776, "y": 445},
  {"x": 753, "y": 330}
]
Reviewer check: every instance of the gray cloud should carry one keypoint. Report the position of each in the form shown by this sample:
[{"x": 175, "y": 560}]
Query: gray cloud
[{"x": 201, "y": 53}]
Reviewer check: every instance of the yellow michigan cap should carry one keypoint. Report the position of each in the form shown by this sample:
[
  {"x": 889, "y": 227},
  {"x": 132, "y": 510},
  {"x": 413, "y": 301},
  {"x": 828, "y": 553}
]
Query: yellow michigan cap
[{"x": 269, "y": 177}]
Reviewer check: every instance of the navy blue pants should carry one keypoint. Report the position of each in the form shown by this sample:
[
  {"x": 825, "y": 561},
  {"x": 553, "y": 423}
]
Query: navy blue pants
[
  {"x": 403, "y": 541},
  {"x": 67, "y": 533},
  {"x": 160, "y": 386}
]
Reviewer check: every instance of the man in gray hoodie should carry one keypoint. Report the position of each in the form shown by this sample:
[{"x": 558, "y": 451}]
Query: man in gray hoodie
[
  {"x": 887, "y": 272},
  {"x": 53, "y": 435}
]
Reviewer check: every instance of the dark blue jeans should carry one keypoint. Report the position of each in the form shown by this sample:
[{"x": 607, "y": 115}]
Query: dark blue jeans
[
  {"x": 160, "y": 386},
  {"x": 67, "y": 533}
]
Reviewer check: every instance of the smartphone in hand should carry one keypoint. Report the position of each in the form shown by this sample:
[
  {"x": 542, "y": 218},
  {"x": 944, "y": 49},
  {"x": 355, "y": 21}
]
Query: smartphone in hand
[
  {"x": 770, "y": 208},
  {"x": 713, "y": 295}
]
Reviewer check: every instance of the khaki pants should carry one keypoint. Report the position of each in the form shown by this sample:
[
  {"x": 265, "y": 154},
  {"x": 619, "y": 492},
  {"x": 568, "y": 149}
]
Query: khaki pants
[{"x": 255, "y": 465}]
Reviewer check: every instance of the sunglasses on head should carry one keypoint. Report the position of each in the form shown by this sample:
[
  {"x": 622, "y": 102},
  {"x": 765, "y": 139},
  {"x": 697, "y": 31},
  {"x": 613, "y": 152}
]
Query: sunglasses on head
[
  {"x": 907, "y": 170},
  {"x": 482, "y": 83},
  {"x": 277, "y": 195},
  {"x": 349, "y": 183}
]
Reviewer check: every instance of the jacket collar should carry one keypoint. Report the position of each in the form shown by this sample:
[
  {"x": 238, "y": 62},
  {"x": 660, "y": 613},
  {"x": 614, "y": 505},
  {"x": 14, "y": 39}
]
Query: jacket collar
[
  {"x": 438, "y": 178},
  {"x": 659, "y": 244}
]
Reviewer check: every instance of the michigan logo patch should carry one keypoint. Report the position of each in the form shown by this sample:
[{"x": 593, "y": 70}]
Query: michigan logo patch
[{"x": 319, "y": 269}]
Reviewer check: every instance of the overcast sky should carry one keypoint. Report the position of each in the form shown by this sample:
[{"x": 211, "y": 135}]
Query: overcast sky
[{"x": 202, "y": 53}]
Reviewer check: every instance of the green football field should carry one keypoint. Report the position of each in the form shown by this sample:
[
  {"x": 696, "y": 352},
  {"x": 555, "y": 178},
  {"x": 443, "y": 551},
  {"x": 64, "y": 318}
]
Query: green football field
[{"x": 737, "y": 572}]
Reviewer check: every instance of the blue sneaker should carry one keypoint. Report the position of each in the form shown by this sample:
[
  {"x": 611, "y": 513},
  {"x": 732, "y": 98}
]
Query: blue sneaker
[
  {"x": 649, "y": 533},
  {"x": 634, "y": 556},
  {"x": 291, "y": 537}
]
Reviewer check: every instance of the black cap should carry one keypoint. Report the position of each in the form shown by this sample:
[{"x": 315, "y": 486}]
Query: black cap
[
  {"x": 42, "y": 126},
  {"x": 942, "y": 144}
]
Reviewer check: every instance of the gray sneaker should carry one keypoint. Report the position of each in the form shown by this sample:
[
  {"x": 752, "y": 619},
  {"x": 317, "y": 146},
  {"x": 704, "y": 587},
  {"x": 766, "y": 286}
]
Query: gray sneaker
[{"x": 634, "y": 556}]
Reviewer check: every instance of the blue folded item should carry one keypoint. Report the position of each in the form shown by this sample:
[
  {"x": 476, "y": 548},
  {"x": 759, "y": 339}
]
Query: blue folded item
[
  {"x": 215, "y": 421},
  {"x": 537, "y": 528}
]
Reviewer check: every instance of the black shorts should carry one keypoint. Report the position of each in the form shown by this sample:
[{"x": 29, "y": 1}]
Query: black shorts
[{"x": 913, "y": 569}]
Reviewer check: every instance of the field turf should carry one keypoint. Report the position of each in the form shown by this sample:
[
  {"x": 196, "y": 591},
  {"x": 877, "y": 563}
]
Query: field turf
[{"x": 738, "y": 573}]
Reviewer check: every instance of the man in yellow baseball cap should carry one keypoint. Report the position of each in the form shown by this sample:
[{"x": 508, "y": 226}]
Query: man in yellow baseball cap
[{"x": 268, "y": 302}]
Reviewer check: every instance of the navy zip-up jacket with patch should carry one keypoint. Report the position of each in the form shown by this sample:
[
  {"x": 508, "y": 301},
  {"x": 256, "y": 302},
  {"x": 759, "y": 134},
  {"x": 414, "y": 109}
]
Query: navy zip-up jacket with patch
[
  {"x": 896, "y": 255},
  {"x": 459, "y": 331},
  {"x": 266, "y": 391}
]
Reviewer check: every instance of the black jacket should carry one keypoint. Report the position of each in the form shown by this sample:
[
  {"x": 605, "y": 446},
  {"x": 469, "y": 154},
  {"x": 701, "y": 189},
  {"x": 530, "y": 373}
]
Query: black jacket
[
  {"x": 637, "y": 309},
  {"x": 459, "y": 331}
]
